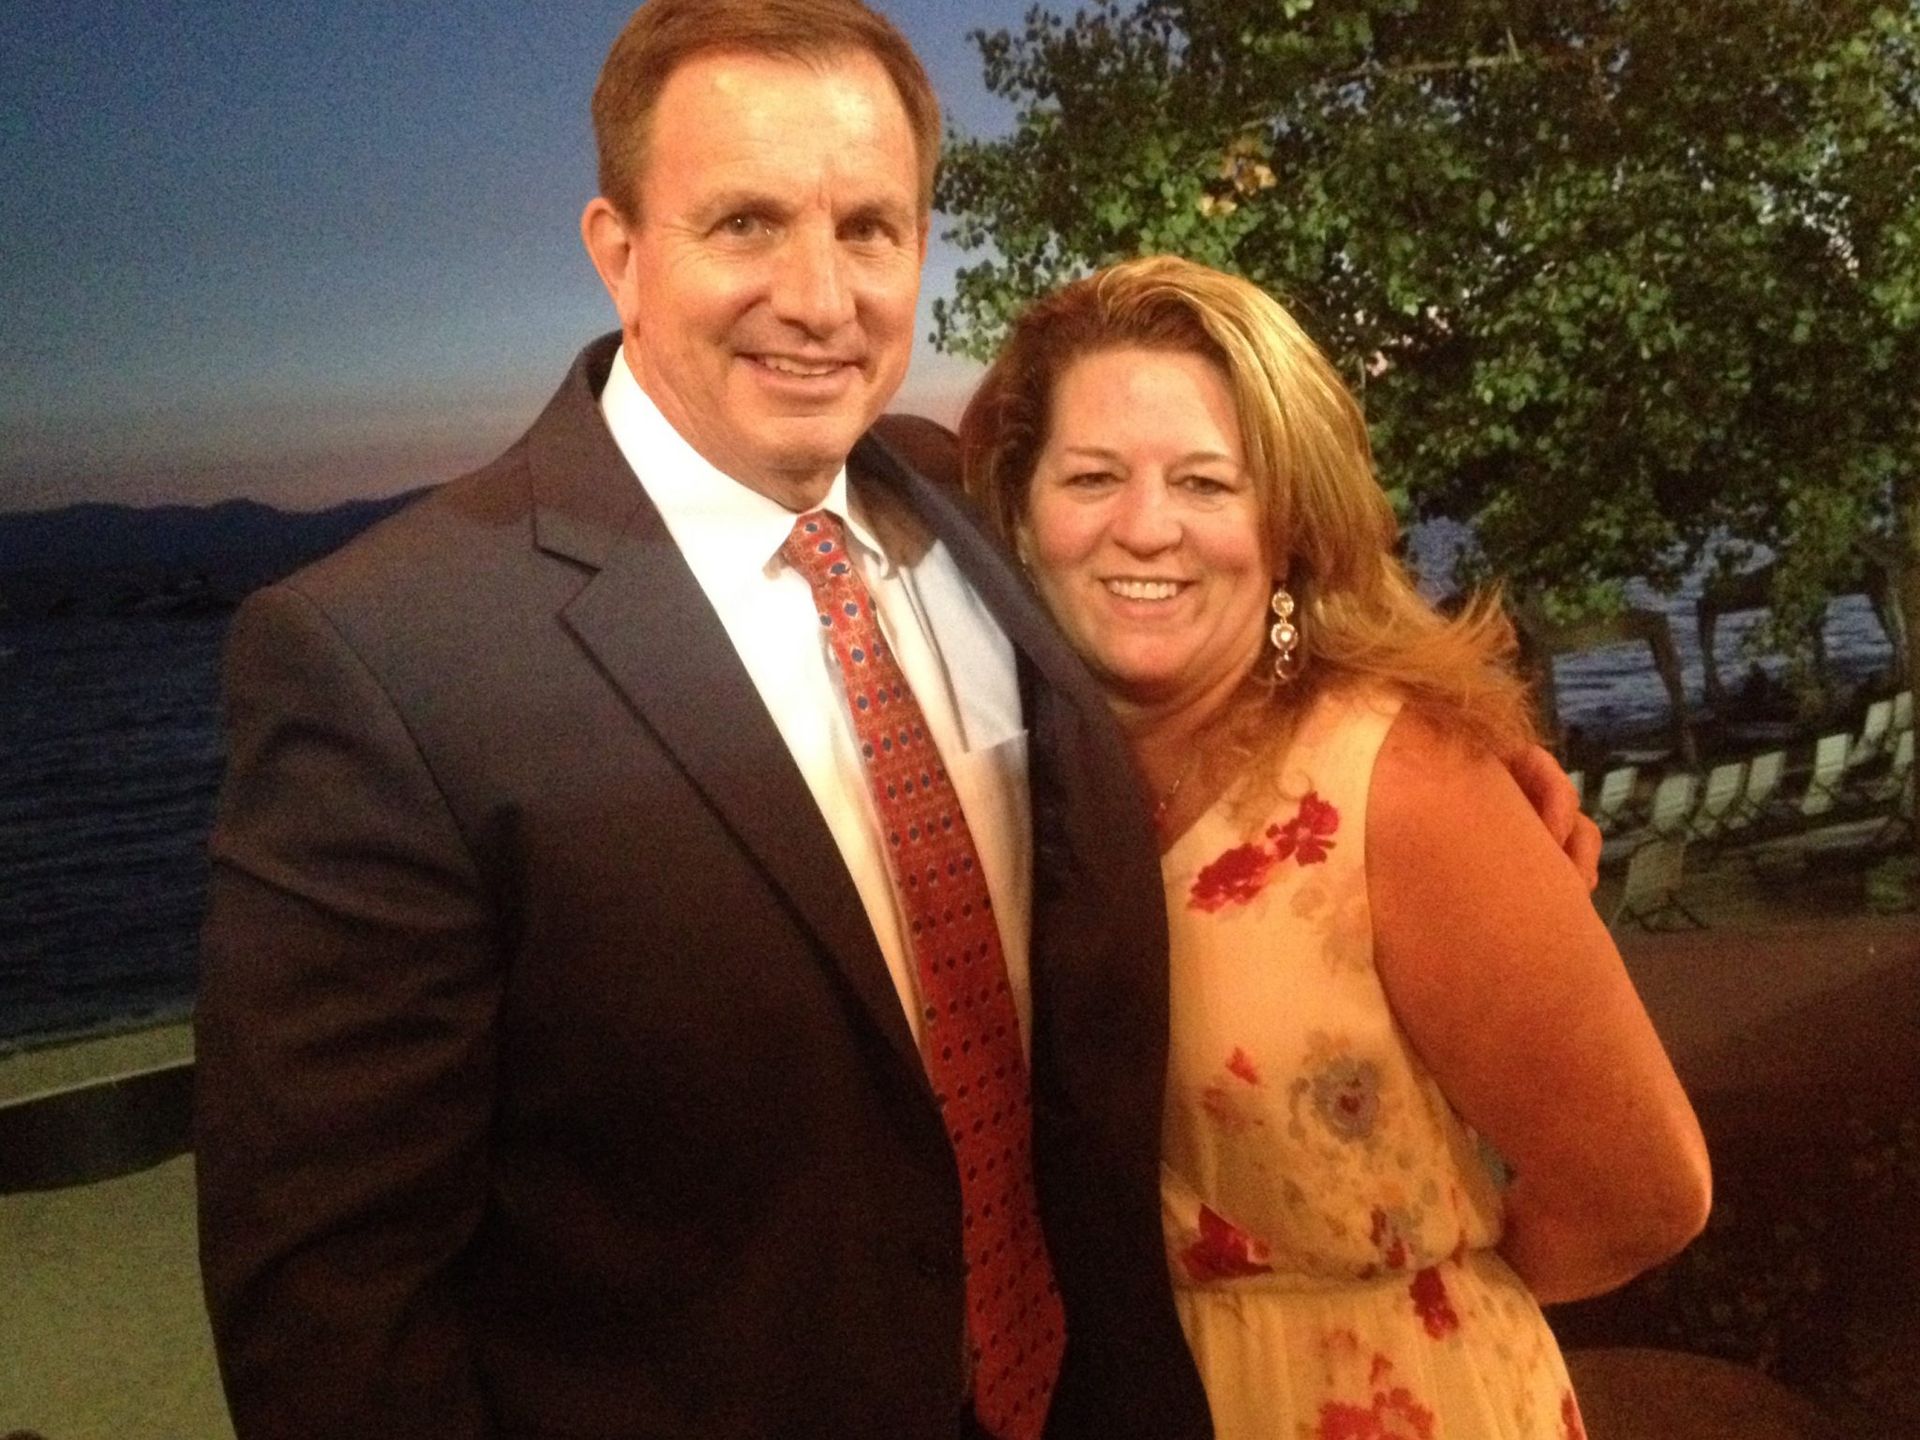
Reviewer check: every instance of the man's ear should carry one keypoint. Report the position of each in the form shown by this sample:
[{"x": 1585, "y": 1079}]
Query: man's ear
[{"x": 609, "y": 241}]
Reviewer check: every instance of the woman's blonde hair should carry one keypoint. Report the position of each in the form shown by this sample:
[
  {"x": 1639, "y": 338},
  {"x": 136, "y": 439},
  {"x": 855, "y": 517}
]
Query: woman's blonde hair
[{"x": 1329, "y": 526}]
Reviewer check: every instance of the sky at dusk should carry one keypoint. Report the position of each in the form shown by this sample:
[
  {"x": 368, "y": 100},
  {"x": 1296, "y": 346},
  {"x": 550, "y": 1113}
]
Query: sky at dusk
[{"x": 310, "y": 252}]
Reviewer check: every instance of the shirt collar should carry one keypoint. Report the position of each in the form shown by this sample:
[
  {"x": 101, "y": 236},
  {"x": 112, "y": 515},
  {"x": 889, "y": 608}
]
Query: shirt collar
[{"x": 712, "y": 516}]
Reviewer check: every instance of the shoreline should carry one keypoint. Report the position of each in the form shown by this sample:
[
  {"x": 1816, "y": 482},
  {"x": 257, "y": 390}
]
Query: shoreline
[
  {"x": 177, "y": 1012},
  {"x": 1793, "y": 890},
  {"x": 69, "y": 1059}
]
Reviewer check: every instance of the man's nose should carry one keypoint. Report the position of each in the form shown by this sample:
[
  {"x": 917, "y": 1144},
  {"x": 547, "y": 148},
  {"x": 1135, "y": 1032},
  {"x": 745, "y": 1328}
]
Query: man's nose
[{"x": 811, "y": 286}]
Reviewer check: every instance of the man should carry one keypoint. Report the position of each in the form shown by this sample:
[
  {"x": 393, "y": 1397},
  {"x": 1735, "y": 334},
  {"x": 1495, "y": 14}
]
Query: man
[
  {"x": 560, "y": 1038},
  {"x": 571, "y": 1046}
]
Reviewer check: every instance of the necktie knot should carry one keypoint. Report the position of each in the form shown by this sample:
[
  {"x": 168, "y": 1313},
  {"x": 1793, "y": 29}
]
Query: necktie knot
[{"x": 817, "y": 547}]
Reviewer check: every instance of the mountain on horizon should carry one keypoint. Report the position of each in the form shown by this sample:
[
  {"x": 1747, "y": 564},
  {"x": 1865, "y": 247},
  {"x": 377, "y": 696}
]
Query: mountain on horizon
[{"x": 230, "y": 547}]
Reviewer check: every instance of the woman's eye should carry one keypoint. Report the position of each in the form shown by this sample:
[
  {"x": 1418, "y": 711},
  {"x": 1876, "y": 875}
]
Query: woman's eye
[{"x": 1205, "y": 485}]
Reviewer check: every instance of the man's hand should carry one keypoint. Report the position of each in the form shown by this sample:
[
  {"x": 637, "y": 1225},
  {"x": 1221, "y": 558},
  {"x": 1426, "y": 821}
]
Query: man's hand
[{"x": 1554, "y": 799}]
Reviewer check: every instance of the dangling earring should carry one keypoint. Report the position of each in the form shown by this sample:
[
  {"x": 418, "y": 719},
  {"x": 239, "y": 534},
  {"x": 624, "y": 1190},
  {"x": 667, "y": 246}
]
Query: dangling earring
[{"x": 1285, "y": 638}]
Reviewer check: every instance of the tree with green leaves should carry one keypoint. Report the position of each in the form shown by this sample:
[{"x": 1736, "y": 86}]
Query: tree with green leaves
[{"x": 1621, "y": 283}]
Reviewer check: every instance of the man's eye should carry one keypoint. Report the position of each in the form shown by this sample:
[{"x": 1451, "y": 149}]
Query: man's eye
[{"x": 743, "y": 225}]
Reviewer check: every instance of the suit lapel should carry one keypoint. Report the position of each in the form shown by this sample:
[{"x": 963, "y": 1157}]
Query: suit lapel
[
  {"x": 649, "y": 627},
  {"x": 939, "y": 507},
  {"x": 1049, "y": 665},
  {"x": 1099, "y": 924}
]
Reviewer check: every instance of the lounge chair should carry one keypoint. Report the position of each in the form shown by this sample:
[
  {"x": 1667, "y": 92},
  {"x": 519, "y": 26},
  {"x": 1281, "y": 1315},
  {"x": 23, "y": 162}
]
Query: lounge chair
[
  {"x": 1650, "y": 892},
  {"x": 1826, "y": 782},
  {"x": 1876, "y": 730},
  {"x": 1899, "y": 772},
  {"x": 1670, "y": 811},
  {"x": 1895, "y": 790},
  {"x": 1764, "y": 774},
  {"x": 1720, "y": 800},
  {"x": 1757, "y": 809},
  {"x": 1615, "y": 795}
]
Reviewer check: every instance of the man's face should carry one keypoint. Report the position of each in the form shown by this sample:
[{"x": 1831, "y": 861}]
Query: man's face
[{"x": 767, "y": 288}]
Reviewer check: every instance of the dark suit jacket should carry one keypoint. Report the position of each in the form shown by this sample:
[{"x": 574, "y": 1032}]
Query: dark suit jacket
[{"x": 551, "y": 1081}]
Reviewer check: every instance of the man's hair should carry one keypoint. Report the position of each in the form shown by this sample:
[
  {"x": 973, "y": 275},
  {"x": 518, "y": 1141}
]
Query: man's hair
[
  {"x": 663, "y": 35},
  {"x": 1328, "y": 526}
]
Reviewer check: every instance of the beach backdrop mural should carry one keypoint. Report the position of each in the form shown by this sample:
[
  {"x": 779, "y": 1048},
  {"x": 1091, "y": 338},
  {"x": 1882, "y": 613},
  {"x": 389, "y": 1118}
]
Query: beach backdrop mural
[
  {"x": 272, "y": 270},
  {"x": 1630, "y": 290}
]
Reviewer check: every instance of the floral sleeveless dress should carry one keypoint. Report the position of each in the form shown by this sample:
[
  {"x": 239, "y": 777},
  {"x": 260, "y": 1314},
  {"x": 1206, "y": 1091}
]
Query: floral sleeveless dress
[{"x": 1330, "y": 1221}]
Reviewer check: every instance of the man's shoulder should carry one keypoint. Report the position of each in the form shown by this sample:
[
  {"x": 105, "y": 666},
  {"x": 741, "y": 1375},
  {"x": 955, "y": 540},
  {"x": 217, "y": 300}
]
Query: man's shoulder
[
  {"x": 419, "y": 595},
  {"x": 468, "y": 531},
  {"x": 449, "y": 531}
]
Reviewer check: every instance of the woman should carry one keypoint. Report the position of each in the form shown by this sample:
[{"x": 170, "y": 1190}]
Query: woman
[{"x": 1380, "y": 960}]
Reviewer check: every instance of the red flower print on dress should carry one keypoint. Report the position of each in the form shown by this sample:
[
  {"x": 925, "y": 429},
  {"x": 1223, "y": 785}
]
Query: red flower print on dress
[
  {"x": 1223, "y": 1100},
  {"x": 1388, "y": 1235},
  {"x": 1308, "y": 836},
  {"x": 1222, "y": 1104},
  {"x": 1570, "y": 1424},
  {"x": 1394, "y": 1415},
  {"x": 1239, "y": 874},
  {"x": 1224, "y": 1251},
  {"x": 1431, "y": 1303},
  {"x": 1233, "y": 879}
]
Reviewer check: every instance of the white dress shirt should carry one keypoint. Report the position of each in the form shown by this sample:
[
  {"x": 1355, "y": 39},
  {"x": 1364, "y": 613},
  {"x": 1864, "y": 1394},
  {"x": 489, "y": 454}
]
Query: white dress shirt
[{"x": 958, "y": 661}]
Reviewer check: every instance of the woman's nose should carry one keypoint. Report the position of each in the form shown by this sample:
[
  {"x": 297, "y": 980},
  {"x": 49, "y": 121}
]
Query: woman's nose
[{"x": 1144, "y": 520}]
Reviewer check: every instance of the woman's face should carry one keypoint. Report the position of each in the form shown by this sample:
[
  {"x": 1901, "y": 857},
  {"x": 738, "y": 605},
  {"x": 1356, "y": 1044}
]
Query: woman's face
[{"x": 1143, "y": 531}]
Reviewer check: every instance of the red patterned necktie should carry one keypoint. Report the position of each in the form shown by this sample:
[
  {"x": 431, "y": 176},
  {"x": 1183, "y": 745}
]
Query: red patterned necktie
[{"x": 972, "y": 1037}]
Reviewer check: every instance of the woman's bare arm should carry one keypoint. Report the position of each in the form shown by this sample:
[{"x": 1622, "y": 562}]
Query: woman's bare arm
[{"x": 1514, "y": 995}]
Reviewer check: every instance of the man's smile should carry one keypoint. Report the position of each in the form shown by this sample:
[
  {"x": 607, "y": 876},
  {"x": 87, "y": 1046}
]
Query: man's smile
[{"x": 802, "y": 369}]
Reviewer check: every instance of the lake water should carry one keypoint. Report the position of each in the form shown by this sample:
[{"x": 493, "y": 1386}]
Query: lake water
[{"x": 110, "y": 758}]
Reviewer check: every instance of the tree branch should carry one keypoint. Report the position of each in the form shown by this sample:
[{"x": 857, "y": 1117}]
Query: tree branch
[{"x": 1513, "y": 58}]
